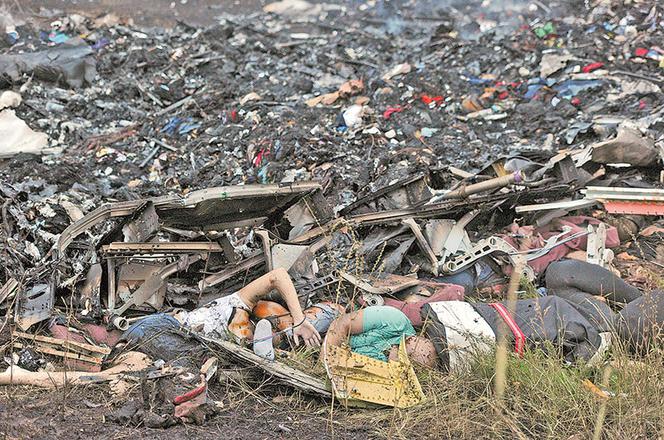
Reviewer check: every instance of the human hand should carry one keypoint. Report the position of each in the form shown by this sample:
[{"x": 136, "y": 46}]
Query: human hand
[{"x": 308, "y": 333}]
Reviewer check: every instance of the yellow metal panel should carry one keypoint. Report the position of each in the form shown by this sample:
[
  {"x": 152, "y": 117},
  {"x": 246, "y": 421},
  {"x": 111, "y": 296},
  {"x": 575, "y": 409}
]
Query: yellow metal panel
[{"x": 356, "y": 377}]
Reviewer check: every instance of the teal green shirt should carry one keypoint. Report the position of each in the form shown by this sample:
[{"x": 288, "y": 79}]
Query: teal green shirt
[{"x": 382, "y": 327}]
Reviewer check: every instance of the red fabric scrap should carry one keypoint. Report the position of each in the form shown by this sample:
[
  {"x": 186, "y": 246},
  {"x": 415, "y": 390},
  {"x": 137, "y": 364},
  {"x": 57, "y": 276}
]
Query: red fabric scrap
[
  {"x": 391, "y": 110},
  {"x": 503, "y": 95},
  {"x": 429, "y": 99},
  {"x": 528, "y": 237},
  {"x": 444, "y": 292},
  {"x": 575, "y": 101},
  {"x": 258, "y": 160},
  {"x": 592, "y": 66},
  {"x": 641, "y": 52},
  {"x": 233, "y": 115}
]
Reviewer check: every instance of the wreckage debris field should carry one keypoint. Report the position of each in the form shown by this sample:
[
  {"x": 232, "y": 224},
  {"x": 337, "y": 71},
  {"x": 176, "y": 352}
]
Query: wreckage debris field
[{"x": 354, "y": 219}]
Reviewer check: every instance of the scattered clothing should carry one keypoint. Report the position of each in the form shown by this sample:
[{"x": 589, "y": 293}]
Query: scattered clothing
[
  {"x": 574, "y": 318},
  {"x": 525, "y": 238},
  {"x": 213, "y": 318},
  {"x": 382, "y": 327},
  {"x": 413, "y": 310}
]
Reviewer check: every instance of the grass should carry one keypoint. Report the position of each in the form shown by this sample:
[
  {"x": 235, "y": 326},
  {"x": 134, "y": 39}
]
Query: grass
[{"x": 544, "y": 399}]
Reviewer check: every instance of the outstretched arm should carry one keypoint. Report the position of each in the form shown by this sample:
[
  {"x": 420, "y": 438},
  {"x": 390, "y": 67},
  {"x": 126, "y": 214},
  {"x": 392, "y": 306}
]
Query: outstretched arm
[
  {"x": 279, "y": 280},
  {"x": 341, "y": 328},
  {"x": 344, "y": 326}
]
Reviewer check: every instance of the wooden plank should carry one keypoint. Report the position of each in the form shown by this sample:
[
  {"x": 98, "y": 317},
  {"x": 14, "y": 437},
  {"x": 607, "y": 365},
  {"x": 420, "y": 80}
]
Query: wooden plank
[
  {"x": 10, "y": 287},
  {"x": 65, "y": 354},
  {"x": 66, "y": 343},
  {"x": 282, "y": 372}
]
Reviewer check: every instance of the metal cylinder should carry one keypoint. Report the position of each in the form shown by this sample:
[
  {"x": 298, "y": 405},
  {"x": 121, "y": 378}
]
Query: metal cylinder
[
  {"x": 119, "y": 322},
  {"x": 495, "y": 183}
]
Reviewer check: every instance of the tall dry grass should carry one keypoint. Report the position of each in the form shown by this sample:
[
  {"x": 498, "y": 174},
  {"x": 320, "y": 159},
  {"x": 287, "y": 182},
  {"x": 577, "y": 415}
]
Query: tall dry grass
[{"x": 544, "y": 399}]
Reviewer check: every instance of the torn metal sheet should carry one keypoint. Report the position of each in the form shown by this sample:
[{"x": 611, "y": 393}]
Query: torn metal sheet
[
  {"x": 90, "y": 299},
  {"x": 566, "y": 171},
  {"x": 423, "y": 244},
  {"x": 74, "y": 212},
  {"x": 130, "y": 276},
  {"x": 170, "y": 247},
  {"x": 234, "y": 206},
  {"x": 285, "y": 255},
  {"x": 299, "y": 260},
  {"x": 229, "y": 272},
  {"x": 278, "y": 370},
  {"x": 183, "y": 232},
  {"x": 311, "y": 210},
  {"x": 457, "y": 237},
  {"x": 35, "y": 305},
  {"x": 629, "y": 146},
  {"x": 309, "y": 287},
  {"x": 154, "y": 283},
  {"x": 447, "y": 209},
  {"x": 392, "y": 260},
  {"x": 639, "y": 201},
  {"x": 209, "y": 209},
  {"x": 305, "y": 265},
  {"x": 436, "y": 233},
  {"x": 143, "y": 226},
  {"x": 104, "y": 212},
  {"x": 379, "y": 236},
  {"x": 405, "y": 193},
  {"x": 387, "y": 285},
  {"x": 229, "y": 250}
]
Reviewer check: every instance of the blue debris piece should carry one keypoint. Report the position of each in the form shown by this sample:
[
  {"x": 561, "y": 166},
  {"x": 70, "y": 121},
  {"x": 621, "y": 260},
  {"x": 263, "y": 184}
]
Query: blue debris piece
[
  {"x": 56, "y": 37},
  {"x": 180, "y": 126},
  {"x": 572, "y": 87}
]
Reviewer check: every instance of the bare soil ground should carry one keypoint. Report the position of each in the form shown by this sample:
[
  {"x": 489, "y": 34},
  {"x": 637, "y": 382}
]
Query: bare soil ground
[{"x": 79, "y": 413}]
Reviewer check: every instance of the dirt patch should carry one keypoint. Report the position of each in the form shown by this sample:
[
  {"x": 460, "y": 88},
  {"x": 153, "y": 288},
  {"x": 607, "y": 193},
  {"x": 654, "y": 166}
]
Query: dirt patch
[{"x": 79, "y": 413}]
